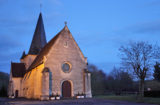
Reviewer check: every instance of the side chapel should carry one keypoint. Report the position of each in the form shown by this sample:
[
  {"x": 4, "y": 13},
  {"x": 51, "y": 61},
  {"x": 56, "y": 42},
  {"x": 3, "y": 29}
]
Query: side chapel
[{"x": 54, "y": 68}]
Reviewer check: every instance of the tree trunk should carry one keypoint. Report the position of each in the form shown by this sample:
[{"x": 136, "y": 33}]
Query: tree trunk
[{"x": 141, "y": 89}]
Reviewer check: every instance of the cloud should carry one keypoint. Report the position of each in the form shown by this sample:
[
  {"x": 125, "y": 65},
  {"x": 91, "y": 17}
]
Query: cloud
[
  {"x": 6, "y": 58},
  {"x": 10, "y": 50},
  {"x": 10, "y": 56},
  {"x": 8, "y": 44},
  {"x": 106, "y": 66},
  {"x": 109, "y": 39},
  {"x": 2, "y": 2},
  {"x": 15, "y": 21},
  {"x": 154, "y": 3},
  {"x": 56, "y": 2},
  {"x": 146, "y": 28},
  {"x": 5, "y": 67}
]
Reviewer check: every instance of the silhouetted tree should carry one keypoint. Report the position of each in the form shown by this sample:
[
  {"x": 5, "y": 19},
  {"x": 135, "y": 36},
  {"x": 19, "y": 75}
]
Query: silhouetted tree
[
  {"x": 119, "y": 81},
  {"x": 153, "y": 85},
  {"x": 97, "y": 80},
  {"x": 4, "y": 79},
  {"x": 138, "y": 56},
  {"x": 156, "y": 74},
  {"x": 3, "y": 92}
]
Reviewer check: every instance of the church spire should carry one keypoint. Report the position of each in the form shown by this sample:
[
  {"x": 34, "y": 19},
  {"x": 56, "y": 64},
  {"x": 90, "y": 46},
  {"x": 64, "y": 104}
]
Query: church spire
[{"x": 39, "y": 37}]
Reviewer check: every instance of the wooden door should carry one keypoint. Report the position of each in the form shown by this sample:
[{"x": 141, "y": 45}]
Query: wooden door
[{"x": 66, "y": 89}]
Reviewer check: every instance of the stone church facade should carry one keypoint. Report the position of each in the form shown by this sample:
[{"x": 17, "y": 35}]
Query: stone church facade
[{"x": 48, "y": 69}]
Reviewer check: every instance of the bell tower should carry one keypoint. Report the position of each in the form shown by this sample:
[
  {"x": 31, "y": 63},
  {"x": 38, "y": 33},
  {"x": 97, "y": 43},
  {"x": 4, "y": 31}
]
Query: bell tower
[{"x": 38, "y": 42}]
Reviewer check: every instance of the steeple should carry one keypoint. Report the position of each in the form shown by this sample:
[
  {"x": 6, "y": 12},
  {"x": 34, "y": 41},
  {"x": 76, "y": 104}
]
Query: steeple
[
  {"x": 23, "y": 55},
  {"x": 39, "y": 37}
]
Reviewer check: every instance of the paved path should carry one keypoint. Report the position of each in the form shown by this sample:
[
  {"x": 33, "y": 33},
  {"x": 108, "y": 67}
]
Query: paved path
[{"x": 6, "y": 101}]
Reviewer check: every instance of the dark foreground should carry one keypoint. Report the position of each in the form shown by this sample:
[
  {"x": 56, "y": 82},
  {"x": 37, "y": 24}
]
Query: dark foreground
[{"x": 6, "y": 101}]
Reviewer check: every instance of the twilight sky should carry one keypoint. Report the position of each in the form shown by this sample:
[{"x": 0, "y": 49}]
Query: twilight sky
[{"x": 100, "y": 27}]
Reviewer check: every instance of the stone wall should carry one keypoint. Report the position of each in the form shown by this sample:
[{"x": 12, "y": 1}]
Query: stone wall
[
  {"x": 36, "y": 83},
  {"x": 28, "y": 59},
  {"x": 32, "y": 83},
  {"x": 64, "y": 50},
  {"x": 88, "y": 85},
  {"x": 16, "y": 83},
  {"x": 45, "y": 85}
]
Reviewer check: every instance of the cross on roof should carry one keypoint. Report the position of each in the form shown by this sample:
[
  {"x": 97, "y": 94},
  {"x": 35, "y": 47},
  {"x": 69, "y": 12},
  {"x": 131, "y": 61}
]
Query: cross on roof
[{"x": 65, "y": 23}]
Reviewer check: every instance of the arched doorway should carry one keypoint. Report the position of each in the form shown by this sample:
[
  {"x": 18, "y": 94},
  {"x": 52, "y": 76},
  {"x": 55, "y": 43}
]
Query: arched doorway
[
  {"x": 66, "y": 89},
  {"x": 16, "y": 93}
]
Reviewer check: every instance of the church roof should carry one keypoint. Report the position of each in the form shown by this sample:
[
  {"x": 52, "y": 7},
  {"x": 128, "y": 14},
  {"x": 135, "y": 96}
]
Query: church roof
[
  {"x": 39, "y": 37},
  {"x": 39, "y": 59},
  {"x": 18, "y": 69},
  {"x": 23, "y": 55}
]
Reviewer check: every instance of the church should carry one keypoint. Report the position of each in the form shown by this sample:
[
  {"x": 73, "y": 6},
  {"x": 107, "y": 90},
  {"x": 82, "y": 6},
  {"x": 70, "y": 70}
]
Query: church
[{"x": 56, "y": 68}]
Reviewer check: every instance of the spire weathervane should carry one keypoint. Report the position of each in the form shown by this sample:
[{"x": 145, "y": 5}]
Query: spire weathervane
[{"x": 41, "y": 7}]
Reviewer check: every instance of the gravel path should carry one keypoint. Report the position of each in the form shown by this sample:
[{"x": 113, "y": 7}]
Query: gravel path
[{"x": 6, "y": 101}]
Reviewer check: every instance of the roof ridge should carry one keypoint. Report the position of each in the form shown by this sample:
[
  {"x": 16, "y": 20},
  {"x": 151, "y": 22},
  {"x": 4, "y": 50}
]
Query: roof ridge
[
  {"x": 17, "y": 63},
  {"x": 38, "y": 60}
]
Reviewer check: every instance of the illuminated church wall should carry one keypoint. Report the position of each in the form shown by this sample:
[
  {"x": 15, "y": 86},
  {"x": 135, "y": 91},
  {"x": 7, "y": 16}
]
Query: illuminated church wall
[{"x": 54, "y": 68}]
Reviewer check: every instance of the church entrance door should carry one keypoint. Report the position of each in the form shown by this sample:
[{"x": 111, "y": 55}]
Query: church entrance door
[{"x": 66, "y": 89}]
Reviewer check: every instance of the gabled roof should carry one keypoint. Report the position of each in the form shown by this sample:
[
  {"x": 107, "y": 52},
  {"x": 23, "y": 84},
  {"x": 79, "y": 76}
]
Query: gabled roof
[
  {"x": 39, "y": 37},
  {"x": 39, "y": 59},
  {"x": 18, "y": 69}
]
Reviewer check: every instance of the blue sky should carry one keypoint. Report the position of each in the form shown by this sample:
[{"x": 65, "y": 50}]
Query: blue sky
[{"x": 100, "y": 27}]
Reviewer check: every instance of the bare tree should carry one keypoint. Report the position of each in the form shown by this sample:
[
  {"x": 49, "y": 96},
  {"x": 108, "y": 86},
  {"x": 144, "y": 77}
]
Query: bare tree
[{"x": 139, "y": 57}]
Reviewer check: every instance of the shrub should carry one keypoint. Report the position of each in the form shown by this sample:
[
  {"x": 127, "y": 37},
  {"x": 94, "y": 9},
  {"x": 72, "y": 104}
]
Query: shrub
[{"x": 152, "y": 94}]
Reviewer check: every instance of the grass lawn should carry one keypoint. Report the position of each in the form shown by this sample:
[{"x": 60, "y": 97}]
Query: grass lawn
[{"x": 130, "y": 98}]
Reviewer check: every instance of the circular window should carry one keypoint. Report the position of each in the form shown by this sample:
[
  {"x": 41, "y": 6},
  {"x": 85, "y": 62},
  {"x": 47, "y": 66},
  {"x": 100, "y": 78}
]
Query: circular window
[{"x": 66, "y": 67}]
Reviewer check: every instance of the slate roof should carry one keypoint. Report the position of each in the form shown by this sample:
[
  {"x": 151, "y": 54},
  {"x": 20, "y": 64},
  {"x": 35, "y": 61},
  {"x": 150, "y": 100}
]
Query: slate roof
[
  {"x": 39, "y": 59},
  {"x": 23, "y": 55},
  {"x": 18, "y": 69},
  {"x": 39, "y": 38}
]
